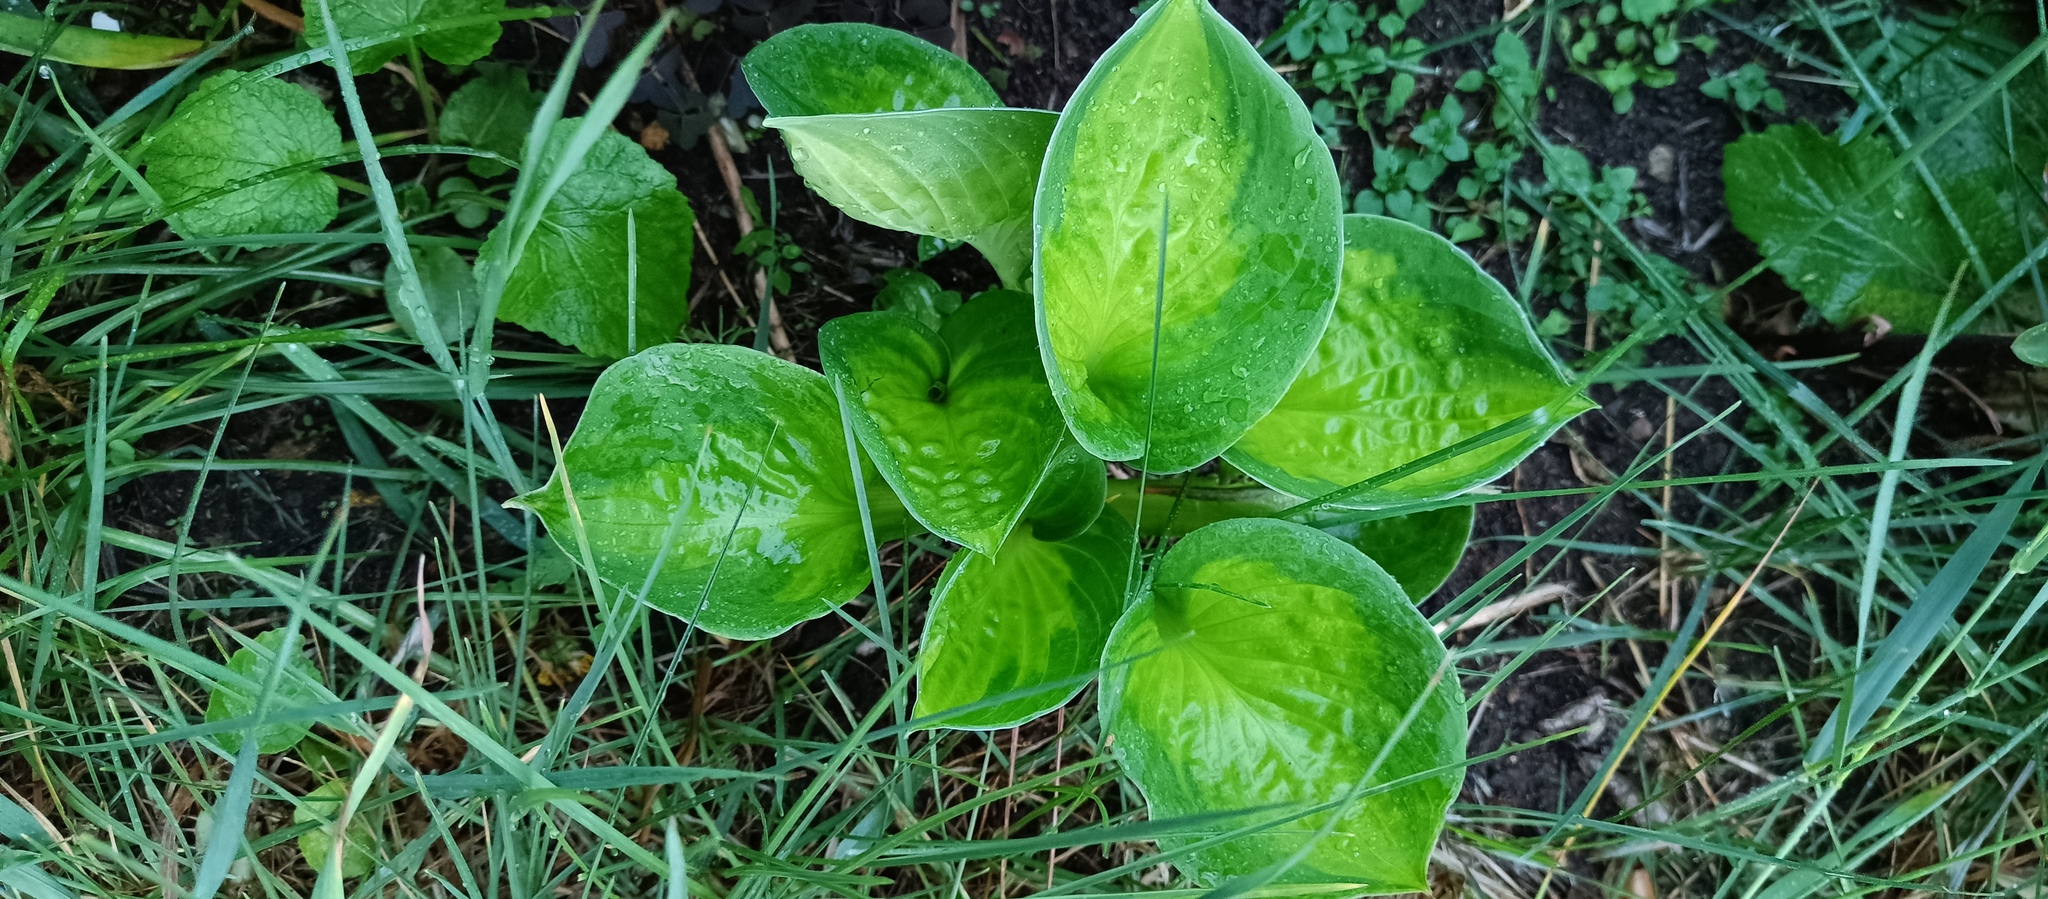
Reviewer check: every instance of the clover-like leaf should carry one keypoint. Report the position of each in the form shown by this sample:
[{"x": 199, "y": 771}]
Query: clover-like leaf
[
  {"x": 456, "y": 46},
  {"x": 850, "y": 68},
  {"x": 1426, "y": 350},
  {"x": 1183, "y": 124},
  {"x": 242, "y": 132},
  {"x": 570, "y": 281},
  {"x": 1035, "y": 614},
  {"x": 958, "y": 174},
  {"x": 297, "y": 689},
  {"x": 1070, "y": 496},
  {"x": 1276, "y": 672},
  {"x": 1420, "y": 549},
  {"x": 493, "y": 112},
  {"x": 728, "y": 469},
  {"x": 960, "y": 422}
]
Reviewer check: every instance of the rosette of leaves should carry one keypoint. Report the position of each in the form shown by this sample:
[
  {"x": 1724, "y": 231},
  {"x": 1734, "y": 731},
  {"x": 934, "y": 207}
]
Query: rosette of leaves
[{"x": 1188, "y": 258}]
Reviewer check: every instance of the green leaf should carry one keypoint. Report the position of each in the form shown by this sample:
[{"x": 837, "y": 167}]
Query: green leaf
[
  {"x": 451, "y": 292},
  {"x": 1420, "y": 550},
  {"x": 91, "y": 47},
  {"x": 960, "y": 421},
  {"x": 915, "y": 294},
  {"x": 1890, "y": 253},
  {"x": 1182, "y": 112},
  {"x": 1036, "y": 614},
  {"x": 494, "y": 112},
  {"x": 2032, "y": 346},
  {"x": 1426, "y": 350},
  {"x": 1070, "y": 496},
  {"x": 321, "y": 807},
  {"x": 297, "y": 688},
  {"x": 570, "y": 282},
  {"x": 237, "y": 129},
  {"x": 849, "y": 69},
  {"x": 736, "y": 462},
  {"x": 1272, "y": 669},
  {"x": 958, "y": 174},
  {"x": 363, "y": 18}
]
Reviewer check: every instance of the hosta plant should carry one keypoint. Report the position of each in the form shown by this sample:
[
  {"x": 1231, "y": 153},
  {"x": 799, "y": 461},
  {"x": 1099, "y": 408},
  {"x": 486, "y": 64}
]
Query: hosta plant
[{"x": 1178, "y": 291}]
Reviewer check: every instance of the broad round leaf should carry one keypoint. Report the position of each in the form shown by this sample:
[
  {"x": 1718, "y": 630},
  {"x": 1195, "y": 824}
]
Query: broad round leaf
[
  {"x": 850, "y": 68},
  {"x": 493, "y": 111},
  {"x": 297, "y": 689},
  {"x": 735, "y": 462},
  {"x": 240, "y": 130},
  {"x": 1426, "y": 350},
  {"x": 1036, "y": 614},
  {"x": 570, "y": 281},
  {"x": 1271, "y": 670},
  {"x": 451, "y": 293},
  {"x": 960, "y": 422},
  {"x": 457, "y": 46},
  {"x": 320, "y": 808},
  {"x": 1182, "y": 112},
  {"x": 958, "y": 174},
  {"x": 1420, "y": 550},
  {"x": 1071, "y": 495}
]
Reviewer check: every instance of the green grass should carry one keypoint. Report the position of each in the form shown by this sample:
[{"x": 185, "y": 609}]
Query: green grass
[{"x": 682, "y": 765}]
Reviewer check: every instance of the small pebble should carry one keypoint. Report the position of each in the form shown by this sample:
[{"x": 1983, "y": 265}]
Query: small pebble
[{"x": 1663, "y": 162}]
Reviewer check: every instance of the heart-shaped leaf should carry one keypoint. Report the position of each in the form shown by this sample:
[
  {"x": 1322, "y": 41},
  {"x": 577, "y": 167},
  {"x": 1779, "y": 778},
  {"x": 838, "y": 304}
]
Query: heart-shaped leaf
[
  {"x": 728, "y": 469},
  {"x": 297, "y": 689},
  {"x": 1275, "y": 671},
  {"x": 570, "y": 281},
  {"x": 1183, "y": 124},
  {"x": 1426, "y": 350},
  {"x": 241, "y": 130},
  {"x": 958, "y": 174},
  {"x": 1036, "y": 614},
  {"x": 850, "y": 68},
  {"x": 1070, "y": 496},
  {"x": 960, "y": 422}
]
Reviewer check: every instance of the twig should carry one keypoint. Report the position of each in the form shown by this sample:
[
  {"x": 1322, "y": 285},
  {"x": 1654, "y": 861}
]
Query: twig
[
  {"x": 778, "y": 339},
  {"x": 959, "y": 23},
  {"x": 1541, "y": 595},
  {"x": 267, "y": 10}
]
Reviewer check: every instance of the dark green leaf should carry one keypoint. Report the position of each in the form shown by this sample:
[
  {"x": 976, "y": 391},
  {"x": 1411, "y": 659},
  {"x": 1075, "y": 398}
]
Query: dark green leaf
[
  {"x": 849, "y": 69},
  {"x": 1035, "y": 614},
  {"x": 236, "y": 129},
  {"x": 363, "y": 18},
  {"x": 494, "y": 112},
  {"x": 915, "y": 294},
  {"x": 1426, "y": 350},
  {"x": 451, "y": 292},
  {"x": 960, "y": 421},
  {"x": 1272, "y": 669},
  {"x": 1071, "y": 495},
  {"x": 1182, "y": 113},
  {"x": 1419, "y": 550},
  {"x": 733, "y": 462},
  {"x": 570, "y": 281}
]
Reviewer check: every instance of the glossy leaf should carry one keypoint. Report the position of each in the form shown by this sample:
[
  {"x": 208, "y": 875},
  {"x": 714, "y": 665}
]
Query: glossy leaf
[
  {"x": 915, "y": 294},
  {"x": 457, "y": 46},
  {"x": 91, "y": 47},
  {"x": 2031, "y": 346},
  {"x": 1035, "y": 614},
  {"x": 1182, "y": 111},
  {"x": 1426, "y": 350},
  {"x": 570, "y": 282},
  {"x": 1269, "y": 671},
  {"x": 1070, "y": 496},
  {"x": 765, "y": 504},
  {"x": 850, "y": 69},
  {"x": 297, "y": 688},
  {"x": 958, "y": 174},
  {"x": 494, "y": 112},
  {"x": 1420, "y": 550},
  {"x": 960, "y": 421},
  {"x": 241, "y": 130}
]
